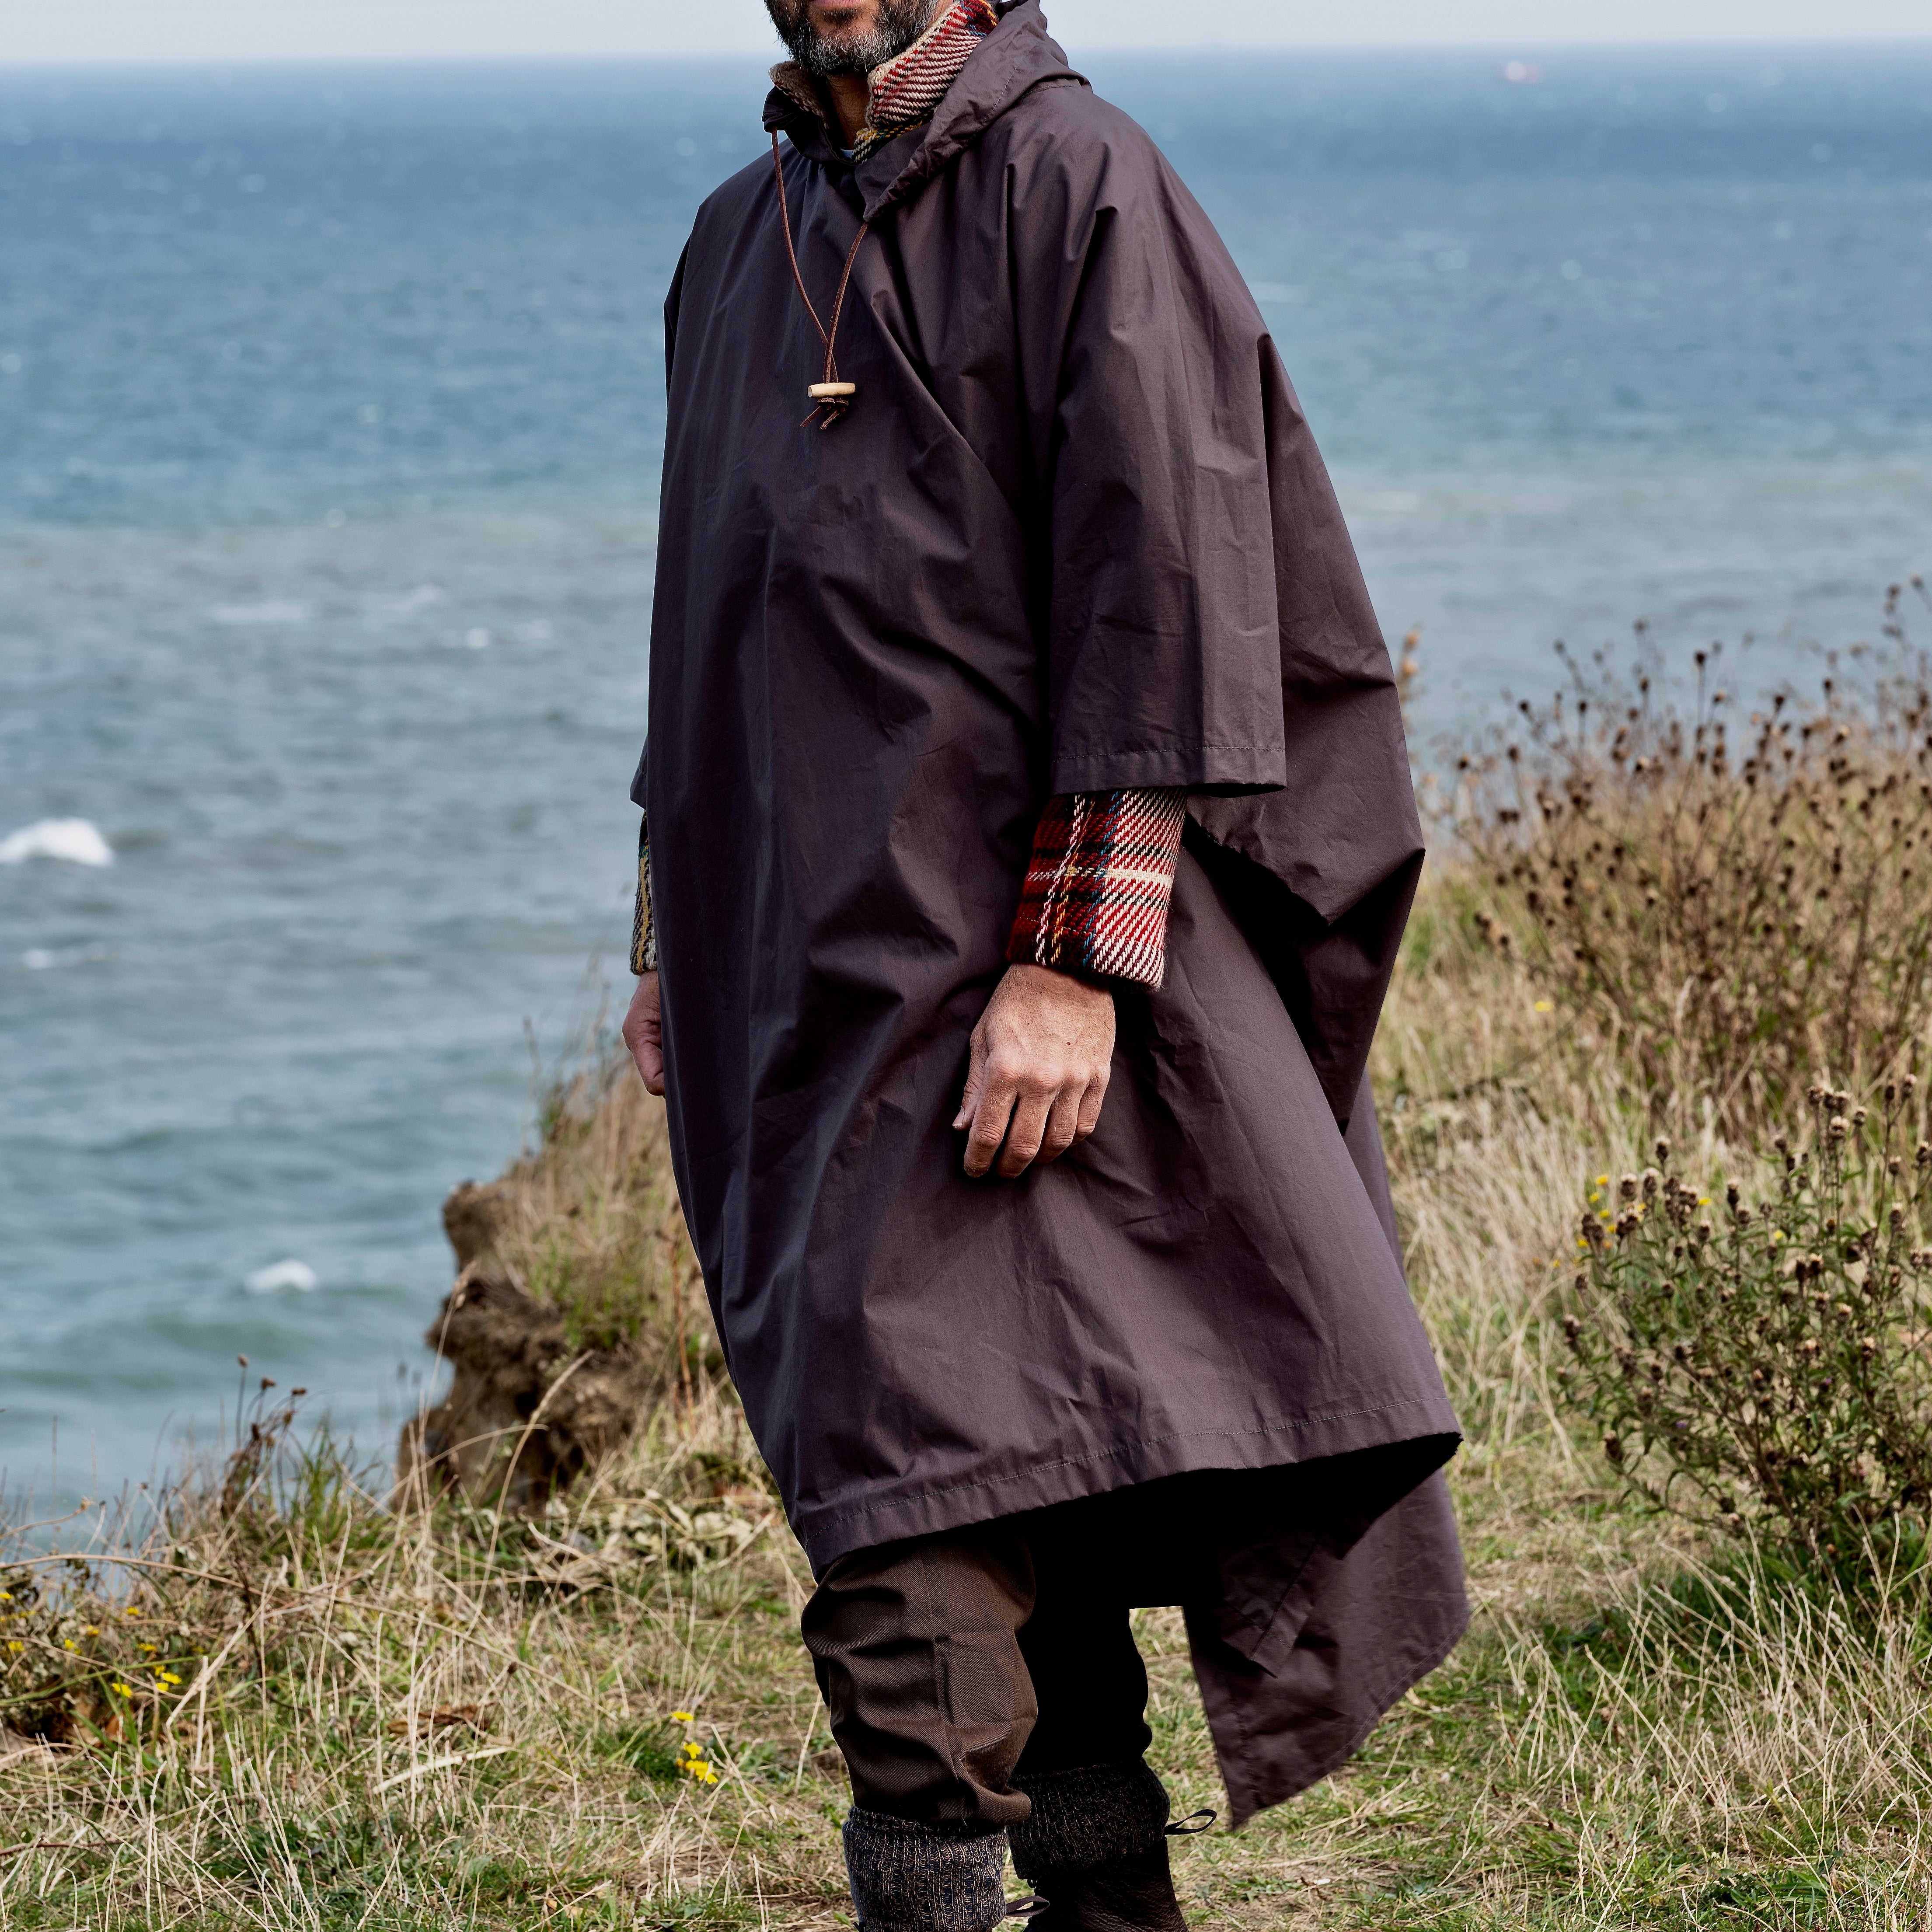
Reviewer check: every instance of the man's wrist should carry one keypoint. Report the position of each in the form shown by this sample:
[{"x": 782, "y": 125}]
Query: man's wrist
[{"x": 1099, "y": 982}]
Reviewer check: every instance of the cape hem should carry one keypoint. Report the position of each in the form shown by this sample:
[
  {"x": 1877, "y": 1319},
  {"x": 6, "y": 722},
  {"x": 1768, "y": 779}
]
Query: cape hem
[
  {"x": 1245, "y": 1801},
  {"x": 1212, "y": 764},
  {"x": 827, "y": 1535}
]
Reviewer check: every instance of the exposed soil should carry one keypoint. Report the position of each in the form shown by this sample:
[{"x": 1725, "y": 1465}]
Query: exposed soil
[{"x": 526, "y": 1411}]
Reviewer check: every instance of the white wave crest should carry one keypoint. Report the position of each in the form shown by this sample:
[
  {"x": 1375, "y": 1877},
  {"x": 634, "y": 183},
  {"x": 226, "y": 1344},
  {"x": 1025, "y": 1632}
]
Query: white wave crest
[
  {"x": 279, "y": 1276},
  {"x": 75, "y": 840}
]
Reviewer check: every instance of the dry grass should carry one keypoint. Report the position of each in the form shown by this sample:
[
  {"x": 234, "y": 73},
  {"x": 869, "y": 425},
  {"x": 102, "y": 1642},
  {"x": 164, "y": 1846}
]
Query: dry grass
[
  {"x": 441, "y": 1719},
  {"x": 1638, "y": 1733},
  {"x": 1733, "y": 906},
  {"x": 588, "y": 1222}
]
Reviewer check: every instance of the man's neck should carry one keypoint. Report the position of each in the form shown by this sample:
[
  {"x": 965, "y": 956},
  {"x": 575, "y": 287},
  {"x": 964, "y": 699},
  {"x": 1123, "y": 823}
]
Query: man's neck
[{"x": 851, "y": 100}]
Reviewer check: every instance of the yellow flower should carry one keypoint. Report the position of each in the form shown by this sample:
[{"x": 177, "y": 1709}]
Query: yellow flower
[
  {"x": 70, "y": 1643},
  {"x": 130, "y": 1612},
  {"x": 14, "y": 1643},
  {"x": 144, "y": 1645},
  {"x": 1546, "y": 1006},
  {"x": 1703, "y": 1200},
  {"x": 683, "y": 1717},
  {"x": 121, "y": 1690},
  {"x": 1602, "y": 1181}
]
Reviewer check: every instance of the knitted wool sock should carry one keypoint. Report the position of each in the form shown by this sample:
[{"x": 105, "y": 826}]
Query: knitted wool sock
[
  {"x": 910, "y": 1877},
  {"x": 1088, "y": 1817}
]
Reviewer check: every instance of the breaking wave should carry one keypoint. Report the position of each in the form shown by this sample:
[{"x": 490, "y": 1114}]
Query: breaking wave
[
  {"x": 280, "y": 1275},
  {"x": 77, "y": 840}
]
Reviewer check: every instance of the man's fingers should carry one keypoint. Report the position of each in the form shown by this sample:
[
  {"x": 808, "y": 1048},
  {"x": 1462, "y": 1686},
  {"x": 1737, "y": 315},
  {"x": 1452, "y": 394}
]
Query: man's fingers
[
  {"x": 1026, "y": 1134},
  {"x": 1063, "y": 1124},
  {"x": 644, "y": 1032},
  {"x": 995, "y": 1103},
  {"x": 1090, "y": 1106},
  {"x": 645, "y": 1041},
  {"x": 975, "y": 1074}
]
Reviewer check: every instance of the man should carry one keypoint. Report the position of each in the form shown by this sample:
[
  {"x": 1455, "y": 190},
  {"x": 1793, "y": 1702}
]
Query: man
[{"x": 1029, "y": 834}]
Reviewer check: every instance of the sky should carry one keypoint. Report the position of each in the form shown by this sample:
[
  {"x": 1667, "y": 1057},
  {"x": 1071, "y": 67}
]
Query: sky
[{"x": 101, "y": 31}]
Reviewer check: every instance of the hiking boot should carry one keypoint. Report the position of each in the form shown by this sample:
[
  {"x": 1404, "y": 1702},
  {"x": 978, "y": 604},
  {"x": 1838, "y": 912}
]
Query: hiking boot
[
  {"x": 1134, "y": 1893},
  {"x": 1096, "y": 1850}
]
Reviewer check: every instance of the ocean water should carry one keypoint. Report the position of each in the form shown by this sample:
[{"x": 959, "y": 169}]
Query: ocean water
[{"x": 329, "y": 425}]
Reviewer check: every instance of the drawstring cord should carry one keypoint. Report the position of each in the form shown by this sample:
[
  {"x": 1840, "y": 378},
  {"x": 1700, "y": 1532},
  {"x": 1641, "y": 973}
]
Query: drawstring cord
[{"x": 832, "y": 398}]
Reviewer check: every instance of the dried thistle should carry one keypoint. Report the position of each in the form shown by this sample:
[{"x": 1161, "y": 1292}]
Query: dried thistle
[
  {"x": 1724, "y": 923},
  {"x": 1784, "y": 1386}
]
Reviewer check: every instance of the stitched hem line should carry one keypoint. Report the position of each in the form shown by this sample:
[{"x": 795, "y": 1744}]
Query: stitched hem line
[
  {"x": 1088, "y": 748},
  {"x": 1274, "y": 1426}
]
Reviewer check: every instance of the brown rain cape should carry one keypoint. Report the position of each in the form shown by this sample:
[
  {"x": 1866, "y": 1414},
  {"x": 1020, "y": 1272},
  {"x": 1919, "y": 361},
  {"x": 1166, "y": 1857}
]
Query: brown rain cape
[{"x": 1073, "y": 535}]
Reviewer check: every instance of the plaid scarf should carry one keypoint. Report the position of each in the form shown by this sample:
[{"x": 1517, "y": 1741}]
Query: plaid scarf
[{"x": 905, "y": 90}]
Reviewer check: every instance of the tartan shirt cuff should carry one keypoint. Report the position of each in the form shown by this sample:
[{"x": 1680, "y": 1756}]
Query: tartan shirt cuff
[
  {"x": 643, "y": 933},
  {"x": 1096, "y": 897}
]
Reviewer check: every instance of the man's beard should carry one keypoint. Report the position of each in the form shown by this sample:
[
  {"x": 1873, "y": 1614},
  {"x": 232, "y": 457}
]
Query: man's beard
[{"x": 897, "y": 24}]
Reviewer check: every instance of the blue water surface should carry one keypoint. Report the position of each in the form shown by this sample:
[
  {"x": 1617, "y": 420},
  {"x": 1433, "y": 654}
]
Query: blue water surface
[{"x": 330, "y": 417}]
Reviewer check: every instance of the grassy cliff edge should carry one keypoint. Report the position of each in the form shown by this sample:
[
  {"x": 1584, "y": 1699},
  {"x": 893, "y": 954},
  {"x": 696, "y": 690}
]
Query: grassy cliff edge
[{"x": 285, "y": 1699}]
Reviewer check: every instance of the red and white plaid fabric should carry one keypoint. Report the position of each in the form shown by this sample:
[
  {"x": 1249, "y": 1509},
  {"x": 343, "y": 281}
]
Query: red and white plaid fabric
[
  {"x": 644, "y": 928},
  {"x": 907, "y": 88},
  {"x": 1096, "y": 897}
]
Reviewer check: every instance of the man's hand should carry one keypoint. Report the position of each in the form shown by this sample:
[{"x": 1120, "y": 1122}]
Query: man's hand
[
  {"x": 644, "y": 1032},
  {"x": 1041, "y": 1055}
]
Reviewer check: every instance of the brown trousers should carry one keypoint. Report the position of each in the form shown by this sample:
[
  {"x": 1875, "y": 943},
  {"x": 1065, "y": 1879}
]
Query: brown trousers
[{"x": 949, "y": 1663}]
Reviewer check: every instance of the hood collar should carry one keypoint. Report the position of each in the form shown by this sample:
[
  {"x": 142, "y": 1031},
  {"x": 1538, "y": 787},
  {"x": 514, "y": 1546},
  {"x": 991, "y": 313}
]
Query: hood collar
[{"x": 1018, "y": 55}]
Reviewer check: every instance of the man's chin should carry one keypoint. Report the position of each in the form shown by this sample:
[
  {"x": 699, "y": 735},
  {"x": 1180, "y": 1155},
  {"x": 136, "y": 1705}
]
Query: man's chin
[
  {"x": 830, "y": 38},
  {"x": 836, "y": 53}
]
